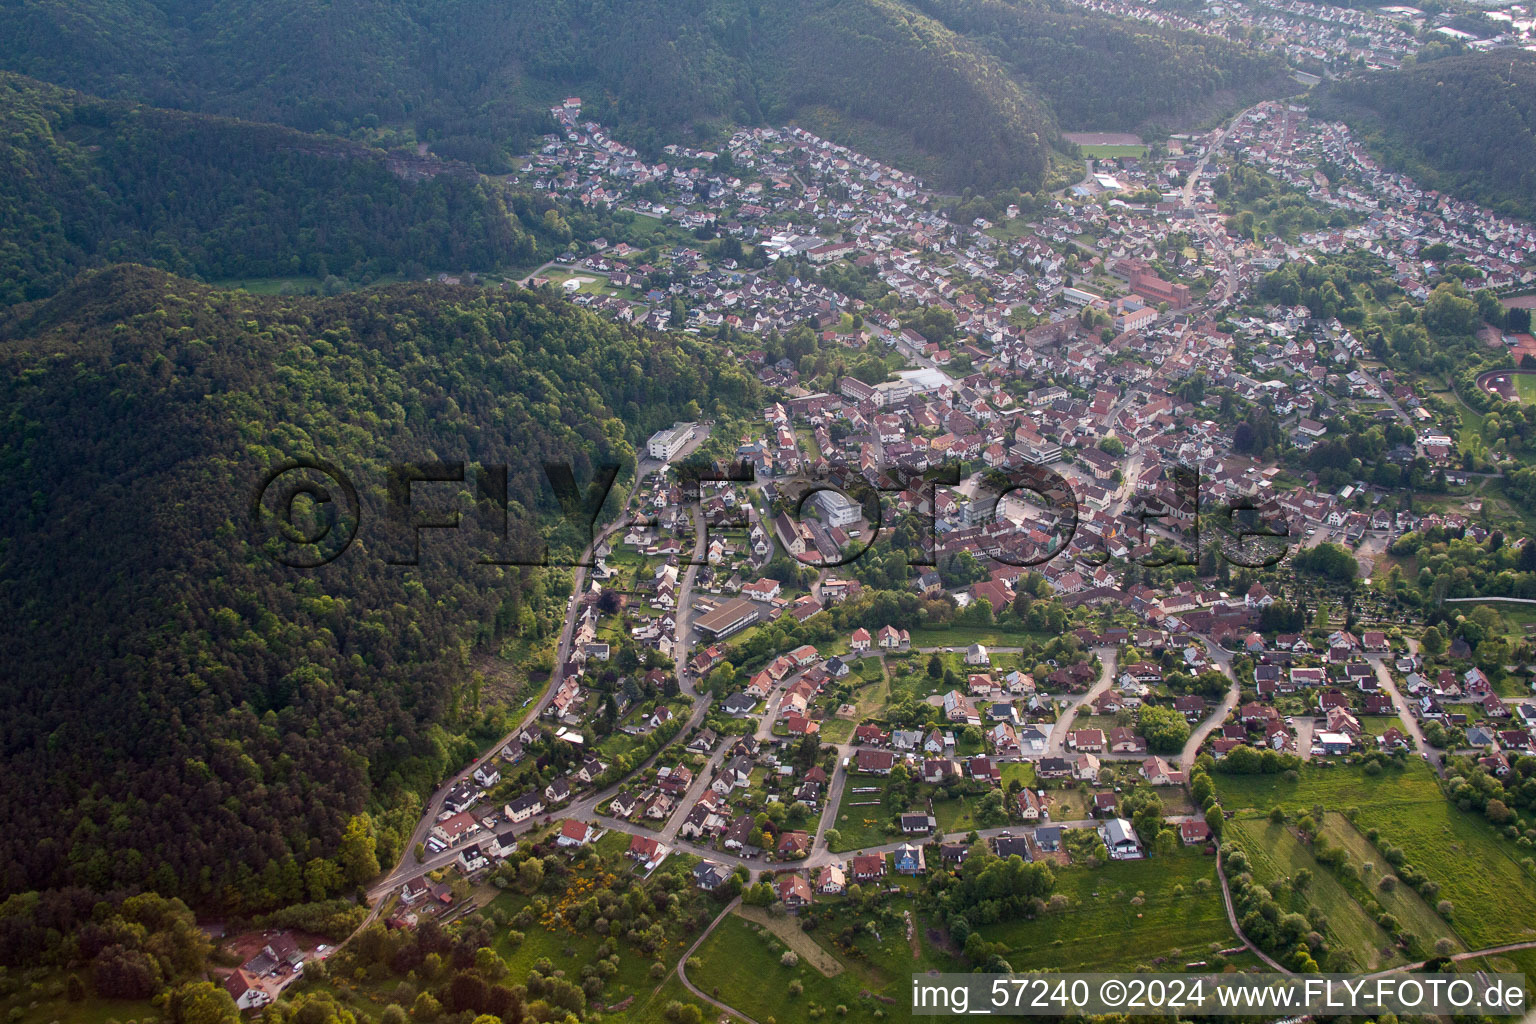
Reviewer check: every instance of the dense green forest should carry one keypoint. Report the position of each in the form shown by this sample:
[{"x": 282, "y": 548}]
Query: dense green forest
[
  {"x": 1464, "y": 125},
  {"x": 1109, "y": 73},
  {"x": 85, "y": 181},
  {"x": 178, "y": 711},
  {"x": 968, "y": 85}
]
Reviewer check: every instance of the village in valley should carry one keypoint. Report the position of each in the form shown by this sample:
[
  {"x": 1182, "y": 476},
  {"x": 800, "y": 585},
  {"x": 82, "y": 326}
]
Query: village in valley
[
  {"x": 763, "y": 706},
  {"x": 740, "y": 512}
]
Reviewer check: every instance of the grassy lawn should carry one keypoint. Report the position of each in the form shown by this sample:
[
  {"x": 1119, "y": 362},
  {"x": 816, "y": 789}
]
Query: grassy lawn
[
  {"x": 612, "y": 843},
  {"x": 272, "y": 285},
  {"x": 858, "y": 826},
  {"x": 1525, "y": 387},
  {"x": 1520, "y": 961},
  {"x": 1512, "y": 686},
  {"x": 1023, "y": 771},
  {"x": 1104, "y": 929},
  {"x": 957, "y": 815},
  {"x": 1068, "y": 804},
  {"x": 1402, "y": 902},
  {"x": 836, "y": 730},
  {"x": 1276, "y": 853},
  {"x": 1376, "y": 725},
  {"x": 870, "y": 692},
  {"x": 590, "y": 283},
  {"x": 788, "y": 929},
  {"x": 1516, "y": 616},
  {"x": 1470, "y": 437},
  {"x": 1518, "y": 510}
]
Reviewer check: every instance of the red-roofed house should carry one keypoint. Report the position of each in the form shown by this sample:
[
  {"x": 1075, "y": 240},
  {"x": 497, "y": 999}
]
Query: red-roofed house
[{"x": 574, "y": 833}]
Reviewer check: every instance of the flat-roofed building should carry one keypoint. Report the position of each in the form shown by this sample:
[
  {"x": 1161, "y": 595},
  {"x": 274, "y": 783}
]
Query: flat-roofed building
[
  {"x": 836, "y": 508},
  {"x": 1037, "y": 453},
  {"x": 665, "y": 444},
  {"x": 731, "y": 617}
]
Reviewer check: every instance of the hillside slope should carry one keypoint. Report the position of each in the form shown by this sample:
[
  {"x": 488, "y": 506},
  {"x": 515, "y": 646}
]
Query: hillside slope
[
  {"x": 955, "y": 81},
  {"x": 85, "y": 181},
  {"x": 1465, "y": 125},
  {"x": 1108, "y": 73},
  {"x": 177, "y": 710}
]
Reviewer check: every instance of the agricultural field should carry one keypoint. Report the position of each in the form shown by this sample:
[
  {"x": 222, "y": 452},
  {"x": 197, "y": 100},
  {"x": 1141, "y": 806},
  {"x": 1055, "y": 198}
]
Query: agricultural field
[
  {"x": 1478, "y": 871},
  {"x": 1402, "y": 902},
  {"x": 1494, "y": 904},
  {"x": 1336, "y": 787},
  {"x": 1122, "y": 915},
  {"x": 1276, "y": 854}
]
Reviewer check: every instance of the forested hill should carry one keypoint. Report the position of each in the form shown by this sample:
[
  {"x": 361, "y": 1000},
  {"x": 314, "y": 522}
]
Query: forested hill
[
  {"x": 1110, "y": 73},
  {"x": 176, "y": 710},
  {"x": 1464, "y": 125},
  {"x": 84, "y": 182},
  {"x": 961, "y": 89}
]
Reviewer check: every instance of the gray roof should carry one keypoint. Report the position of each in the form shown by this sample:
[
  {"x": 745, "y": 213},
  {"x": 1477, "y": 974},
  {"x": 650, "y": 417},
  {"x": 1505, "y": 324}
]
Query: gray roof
[{"x": 1119, "y": 831}]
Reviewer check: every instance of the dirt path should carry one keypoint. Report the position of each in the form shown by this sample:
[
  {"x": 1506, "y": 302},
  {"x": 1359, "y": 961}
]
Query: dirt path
[
  {"x": 1471, "y": 954},
  {"x": 1226, "y": 895},
  {"x": 788, "y": 929},
  {"x": 682, "y": 967}
]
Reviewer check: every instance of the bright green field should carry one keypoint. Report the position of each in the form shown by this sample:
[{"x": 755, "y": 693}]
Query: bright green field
[
  {"x": 1477, "y": 870},
  {"x": 1336, "y": 788},
  {"x": 1275, "y": 852},
  {"x": 1102, "y": 929},
  {"x": 1494, "y": 898},
  {"x": 1402, "y": 902}
]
